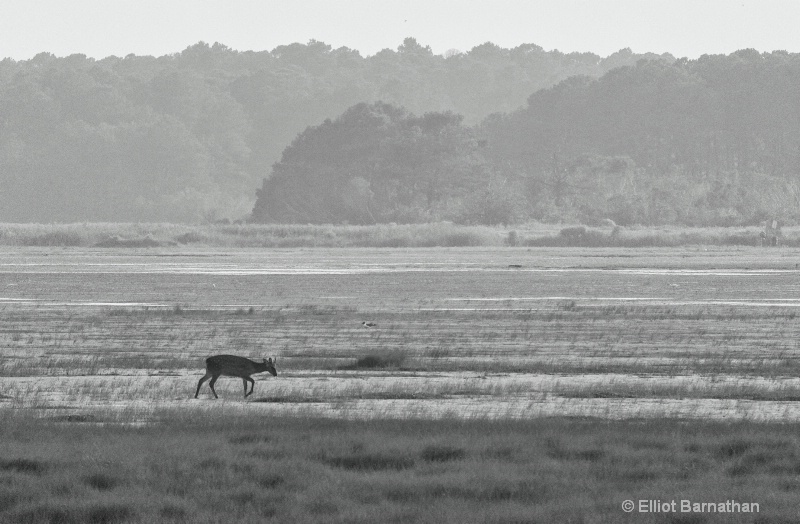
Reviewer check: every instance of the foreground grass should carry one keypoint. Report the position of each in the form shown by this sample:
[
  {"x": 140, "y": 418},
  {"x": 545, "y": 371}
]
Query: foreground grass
[{"x": 316, "y": 470}]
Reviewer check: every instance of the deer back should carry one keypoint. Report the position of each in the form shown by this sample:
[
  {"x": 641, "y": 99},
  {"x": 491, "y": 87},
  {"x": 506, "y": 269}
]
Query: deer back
[
  {"x": 231, "y": 365},
  {"x": 238, "y": 366}
]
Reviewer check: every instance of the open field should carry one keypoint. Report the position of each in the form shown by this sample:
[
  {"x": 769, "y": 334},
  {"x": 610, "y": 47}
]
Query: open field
[{"x": 505, "y": 383}]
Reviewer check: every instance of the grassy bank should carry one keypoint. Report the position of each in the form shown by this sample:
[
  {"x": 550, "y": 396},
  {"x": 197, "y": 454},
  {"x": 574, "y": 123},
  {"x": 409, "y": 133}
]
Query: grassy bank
[
  {"x": 316, "y": 470},
  {"x": 246, "y": 235},
  {"x": 443, "y": 234}
]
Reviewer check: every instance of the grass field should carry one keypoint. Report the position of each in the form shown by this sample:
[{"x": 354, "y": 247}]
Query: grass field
[{"x": 500, "y": 384}]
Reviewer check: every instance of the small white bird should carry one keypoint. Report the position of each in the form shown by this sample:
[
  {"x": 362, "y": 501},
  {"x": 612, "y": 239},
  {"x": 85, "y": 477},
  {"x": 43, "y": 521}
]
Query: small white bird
[{"x": 369, "y": 324}]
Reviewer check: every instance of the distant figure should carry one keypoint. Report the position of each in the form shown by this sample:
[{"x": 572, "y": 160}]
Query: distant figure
[
  {"x": 771, "y": 235},
  {"x": 233, "y": 366},
  {"x": 369, "y": 324}
]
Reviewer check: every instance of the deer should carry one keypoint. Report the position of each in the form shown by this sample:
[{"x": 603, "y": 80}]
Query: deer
[{"x": 233, "y": 366}]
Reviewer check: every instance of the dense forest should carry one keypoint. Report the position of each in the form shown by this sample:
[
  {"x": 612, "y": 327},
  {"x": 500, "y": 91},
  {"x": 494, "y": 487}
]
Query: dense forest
[
  {"x": 190, "y": 136},
  {"x": 310, "y": 134},
  {"x": 712, "y": 141}
]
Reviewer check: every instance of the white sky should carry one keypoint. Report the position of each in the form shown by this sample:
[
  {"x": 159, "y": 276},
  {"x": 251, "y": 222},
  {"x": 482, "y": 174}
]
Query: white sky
[{"x": 690, "y": 28}]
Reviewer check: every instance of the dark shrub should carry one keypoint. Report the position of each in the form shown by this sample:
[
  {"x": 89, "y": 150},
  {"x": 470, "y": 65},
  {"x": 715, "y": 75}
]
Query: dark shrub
[
  {"x": 371, "y": 462},
  {"x": 22, "y": 466},
  {"x": 442, "y": 453}
]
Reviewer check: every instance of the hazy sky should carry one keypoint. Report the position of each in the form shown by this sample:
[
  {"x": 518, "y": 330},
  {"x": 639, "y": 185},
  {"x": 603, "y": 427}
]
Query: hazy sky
[{"x": 690, "y": 28}]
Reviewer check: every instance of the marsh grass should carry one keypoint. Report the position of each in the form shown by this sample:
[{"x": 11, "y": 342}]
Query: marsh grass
[
  {"x": 307, "y": 469},
  {"x": 81, "y": 398},
  {"x": 667, "y": 389},
  {"x": 85, "y": 437},
  {"x": 144, "y": 235},
  {"x": 442, "y": 234},
  {"x": 645, "y": 237},
  {"x": 113, "y": 354}
]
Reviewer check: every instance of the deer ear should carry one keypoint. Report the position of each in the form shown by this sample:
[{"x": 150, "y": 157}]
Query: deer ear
[{"x": 270, "y": 361}]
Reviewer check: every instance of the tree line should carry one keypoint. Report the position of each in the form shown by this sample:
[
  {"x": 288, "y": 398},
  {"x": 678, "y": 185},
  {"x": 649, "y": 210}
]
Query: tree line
[
  {"x": 190, "y": 136},
  {"x": 711, "y": 141}
]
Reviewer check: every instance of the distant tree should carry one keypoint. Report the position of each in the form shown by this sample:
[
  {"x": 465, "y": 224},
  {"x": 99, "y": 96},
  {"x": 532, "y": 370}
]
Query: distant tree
[{"x": 374, "y": 163}]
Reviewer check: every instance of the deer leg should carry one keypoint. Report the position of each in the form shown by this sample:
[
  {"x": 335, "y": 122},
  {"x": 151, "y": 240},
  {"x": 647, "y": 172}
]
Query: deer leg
[
  {"x": 206, "y": 377},
  {"x": 252, "y": 385},
  {"x": 211, "y": 385}
]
